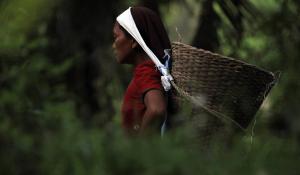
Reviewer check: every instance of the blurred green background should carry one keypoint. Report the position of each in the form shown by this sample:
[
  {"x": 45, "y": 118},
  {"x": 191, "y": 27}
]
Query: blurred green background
[{"x": 61, "y": 88}]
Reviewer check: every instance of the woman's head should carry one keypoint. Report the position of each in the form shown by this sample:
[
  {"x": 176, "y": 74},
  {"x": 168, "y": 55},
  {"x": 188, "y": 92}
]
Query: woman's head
[
  {"x": 123, "y": 44},
  {"x": 151, "y": 29}
]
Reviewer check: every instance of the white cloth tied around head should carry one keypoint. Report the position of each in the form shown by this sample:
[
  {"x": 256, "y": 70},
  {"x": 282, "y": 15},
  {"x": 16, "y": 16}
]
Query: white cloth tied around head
[{"x": 126, "y": 21}]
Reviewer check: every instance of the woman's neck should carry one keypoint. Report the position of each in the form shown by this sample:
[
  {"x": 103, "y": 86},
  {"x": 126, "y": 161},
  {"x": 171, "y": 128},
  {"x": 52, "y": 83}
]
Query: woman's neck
[{"x": 140, "y": 58}]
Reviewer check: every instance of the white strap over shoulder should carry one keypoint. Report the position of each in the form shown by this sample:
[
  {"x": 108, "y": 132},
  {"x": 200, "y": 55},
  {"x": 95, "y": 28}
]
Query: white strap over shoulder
[{"x": 126, "y": 21}]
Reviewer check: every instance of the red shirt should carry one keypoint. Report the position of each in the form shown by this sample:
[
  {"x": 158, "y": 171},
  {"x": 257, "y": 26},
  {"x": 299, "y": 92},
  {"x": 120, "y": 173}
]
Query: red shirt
[{"x": 145, "y": 78}]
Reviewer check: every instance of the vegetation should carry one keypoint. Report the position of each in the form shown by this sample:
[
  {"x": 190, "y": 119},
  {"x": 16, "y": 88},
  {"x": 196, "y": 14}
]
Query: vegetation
[{"x": 61, "y": 88}]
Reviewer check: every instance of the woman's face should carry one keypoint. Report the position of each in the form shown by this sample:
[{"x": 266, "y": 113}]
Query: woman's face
[{"x": 122, "y": 45}]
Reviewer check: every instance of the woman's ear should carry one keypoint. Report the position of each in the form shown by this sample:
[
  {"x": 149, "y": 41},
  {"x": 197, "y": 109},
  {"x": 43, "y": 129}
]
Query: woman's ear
[{"x": 134, "y": 45}]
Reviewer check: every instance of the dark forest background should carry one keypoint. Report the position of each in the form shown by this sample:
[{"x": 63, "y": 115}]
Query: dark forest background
[{"x": 61, "y": 88}]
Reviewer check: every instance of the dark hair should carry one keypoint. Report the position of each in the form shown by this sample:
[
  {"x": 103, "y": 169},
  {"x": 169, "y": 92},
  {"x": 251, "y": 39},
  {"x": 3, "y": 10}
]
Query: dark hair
[{"x": 152, "y": 30}]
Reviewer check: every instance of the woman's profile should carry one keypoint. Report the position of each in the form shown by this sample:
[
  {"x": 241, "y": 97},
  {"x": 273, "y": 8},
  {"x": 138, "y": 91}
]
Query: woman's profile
[{"x": 139, "y": 35}]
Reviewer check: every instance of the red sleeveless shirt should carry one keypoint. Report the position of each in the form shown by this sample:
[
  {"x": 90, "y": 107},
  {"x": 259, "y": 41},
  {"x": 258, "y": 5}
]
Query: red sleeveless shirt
[{"x": 145, "y": 78}]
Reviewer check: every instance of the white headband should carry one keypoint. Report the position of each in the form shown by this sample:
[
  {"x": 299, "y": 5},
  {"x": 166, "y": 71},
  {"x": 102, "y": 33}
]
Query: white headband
[{"x": 126, "y": 21}]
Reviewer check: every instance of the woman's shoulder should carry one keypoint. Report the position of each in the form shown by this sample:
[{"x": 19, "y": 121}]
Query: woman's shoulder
[
  {"x": 147, "y": 68},
  {"x": 147, "y": 76}
]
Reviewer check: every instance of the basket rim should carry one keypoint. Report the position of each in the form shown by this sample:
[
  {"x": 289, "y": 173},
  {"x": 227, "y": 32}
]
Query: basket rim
[{"x": 223, "y": 56}]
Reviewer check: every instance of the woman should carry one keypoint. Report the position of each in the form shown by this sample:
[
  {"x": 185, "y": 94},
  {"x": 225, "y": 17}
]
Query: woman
[{"x": 139, "y": 35}]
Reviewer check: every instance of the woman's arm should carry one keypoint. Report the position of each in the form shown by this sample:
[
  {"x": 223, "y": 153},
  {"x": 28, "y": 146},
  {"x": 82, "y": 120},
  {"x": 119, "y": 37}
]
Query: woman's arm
[{"x": 156, "y": 109}]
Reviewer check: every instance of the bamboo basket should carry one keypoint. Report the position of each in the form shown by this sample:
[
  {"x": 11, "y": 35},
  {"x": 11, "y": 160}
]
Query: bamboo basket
[{"x": 223, "y": 86}]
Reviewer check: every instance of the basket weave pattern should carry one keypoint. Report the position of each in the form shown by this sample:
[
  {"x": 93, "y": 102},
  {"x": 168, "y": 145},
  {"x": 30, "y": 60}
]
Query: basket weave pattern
[{"x": 228, "y": 86}]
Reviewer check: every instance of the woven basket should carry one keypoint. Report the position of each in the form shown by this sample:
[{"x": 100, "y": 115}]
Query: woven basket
[{"x": 226, "y": 86}]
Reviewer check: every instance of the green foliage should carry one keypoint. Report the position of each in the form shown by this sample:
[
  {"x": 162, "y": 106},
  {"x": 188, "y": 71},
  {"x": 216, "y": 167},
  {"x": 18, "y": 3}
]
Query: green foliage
[
  {"x": 18, "y": 18},
  {"x": 42, "y": 130},
  {"x": 71, "y": 149}
]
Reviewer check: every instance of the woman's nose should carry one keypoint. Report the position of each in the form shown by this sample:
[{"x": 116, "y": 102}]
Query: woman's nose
[{"x": 114, "y": 45}]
